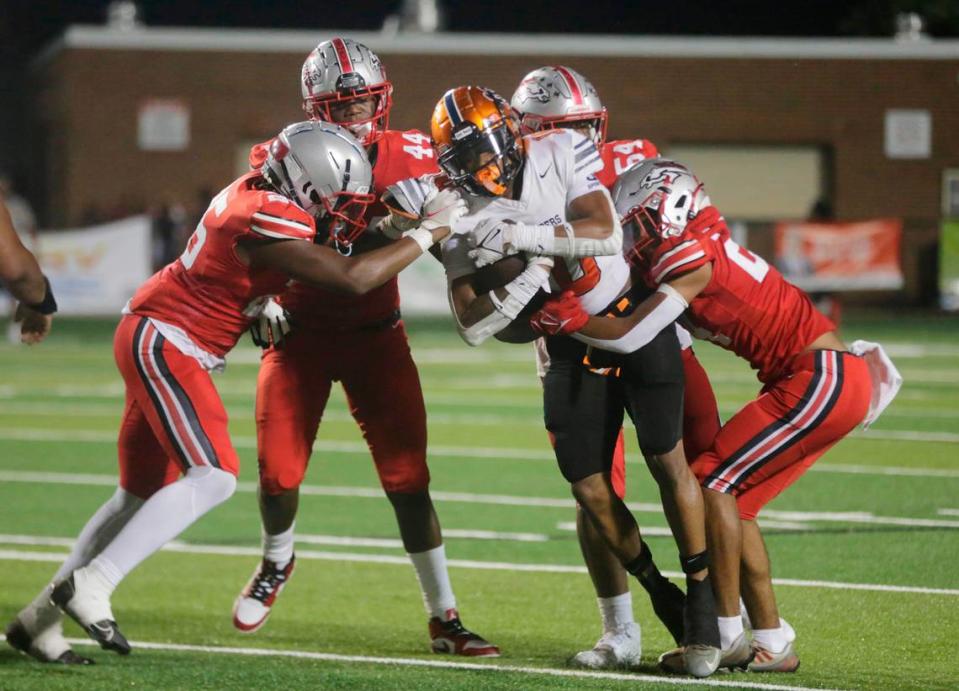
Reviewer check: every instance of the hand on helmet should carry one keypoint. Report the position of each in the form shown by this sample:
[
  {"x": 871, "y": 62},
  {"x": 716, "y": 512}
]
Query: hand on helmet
[
  {"x": 271, "y": 326},
  {"x": 560, "y": 315},
  {"x": 490, "y": 242}
]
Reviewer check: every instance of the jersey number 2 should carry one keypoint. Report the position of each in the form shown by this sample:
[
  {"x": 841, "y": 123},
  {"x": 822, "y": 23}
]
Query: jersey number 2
[
  {"x": 198, "y": 239},
  {"x": 752, "y": 264}
]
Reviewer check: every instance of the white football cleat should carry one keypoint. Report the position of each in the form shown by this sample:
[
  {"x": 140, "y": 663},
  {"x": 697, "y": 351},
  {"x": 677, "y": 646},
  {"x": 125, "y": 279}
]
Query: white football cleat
[
  {"x": 765, "y": 661},
  {"x": 701, "y": 661},
  {"x": 617, "y": 649},
  {"x": 255, "y": 602},
  {"x": 86, "y": 598}
]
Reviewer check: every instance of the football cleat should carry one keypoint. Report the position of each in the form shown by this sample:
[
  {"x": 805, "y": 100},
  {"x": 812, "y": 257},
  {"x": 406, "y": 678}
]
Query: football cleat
[
  {"x": 80, "y": 596},
  {"x": 618, "y": 649},
  {"x": 766, "y": 661},
  {"x": 452, "y": 637},
  {"x": 253, "y": 606},
  {"x": 46, "y": 646},
  {"x": 688, "y": 660}
]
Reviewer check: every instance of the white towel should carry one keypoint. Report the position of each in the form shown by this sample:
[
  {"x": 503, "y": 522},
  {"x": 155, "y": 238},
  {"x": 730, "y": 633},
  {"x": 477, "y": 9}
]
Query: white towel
[{"x": 886, "y": 379}]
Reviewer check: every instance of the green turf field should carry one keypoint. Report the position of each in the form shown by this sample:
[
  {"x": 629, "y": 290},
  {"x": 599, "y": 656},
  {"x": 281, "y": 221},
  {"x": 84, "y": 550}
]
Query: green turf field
[{"x": 865, "y": 548}]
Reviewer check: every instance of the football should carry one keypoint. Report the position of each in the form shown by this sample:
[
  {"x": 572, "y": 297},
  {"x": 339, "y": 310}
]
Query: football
[{"x": 498, "y": 274}]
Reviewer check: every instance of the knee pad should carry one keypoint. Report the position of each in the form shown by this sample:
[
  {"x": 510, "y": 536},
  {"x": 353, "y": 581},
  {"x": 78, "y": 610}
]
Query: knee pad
[{"x": 280, "y": 480}]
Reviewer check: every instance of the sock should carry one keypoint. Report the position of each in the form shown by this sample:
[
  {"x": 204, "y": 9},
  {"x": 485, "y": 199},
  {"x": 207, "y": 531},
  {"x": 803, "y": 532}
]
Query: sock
[
  {"x": 773, "y": 640},
  {"x": 165, "y": 515},
  {"x": 430, "y": 567},
  {"x": 279, "y": 548},
  {"x": 107, "y": 574},
  {"x": 729, "y": 630},
  {"x": 616, "y": 611}
]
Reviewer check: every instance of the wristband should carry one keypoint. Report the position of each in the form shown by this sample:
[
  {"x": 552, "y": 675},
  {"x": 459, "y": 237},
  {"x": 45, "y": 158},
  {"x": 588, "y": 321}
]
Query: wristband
[
  {"x": 49, "y": 303},
  {"x": 421, "y": 236}
]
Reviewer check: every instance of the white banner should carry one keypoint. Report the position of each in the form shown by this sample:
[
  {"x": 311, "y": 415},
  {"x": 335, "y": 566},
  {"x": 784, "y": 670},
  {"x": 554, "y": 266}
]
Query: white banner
[
  {"x": 423, "y": 288},
  {"x": 95, "y": 270}
]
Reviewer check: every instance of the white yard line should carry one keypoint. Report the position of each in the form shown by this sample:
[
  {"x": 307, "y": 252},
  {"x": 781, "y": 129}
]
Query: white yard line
[
  {"x": 948, "y": 512},
  {"x": 446, "y": 664},
  {"x": 235, "y": 551},
  {"x": 789, "y": 520}
]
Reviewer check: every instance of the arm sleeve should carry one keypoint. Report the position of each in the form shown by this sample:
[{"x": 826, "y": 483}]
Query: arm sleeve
[
  {"x": 583, "y": 163},
  {"x": 662, "y": 316}
]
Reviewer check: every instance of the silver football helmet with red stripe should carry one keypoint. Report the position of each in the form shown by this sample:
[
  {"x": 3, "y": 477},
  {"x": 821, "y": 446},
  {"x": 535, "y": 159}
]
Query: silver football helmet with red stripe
[
  {"x": 344, "y": 82},
  {"x": 655, "y": 200},
  {"x": 557, "y": 96},
  {"x": 324, "y": 169}
]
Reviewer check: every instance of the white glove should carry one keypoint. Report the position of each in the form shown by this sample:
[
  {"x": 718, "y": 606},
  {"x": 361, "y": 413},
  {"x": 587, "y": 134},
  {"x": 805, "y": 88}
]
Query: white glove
[
  {"x": 444, "y": 208},
  {"x": 271, "y": 325},
  {"x": 490, "y": 242}
]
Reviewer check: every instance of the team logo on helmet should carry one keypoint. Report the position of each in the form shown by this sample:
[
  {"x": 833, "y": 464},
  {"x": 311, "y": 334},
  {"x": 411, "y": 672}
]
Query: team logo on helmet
[
  {"x": 532, "y": 90},
  {"x": 660, "y": 175}
]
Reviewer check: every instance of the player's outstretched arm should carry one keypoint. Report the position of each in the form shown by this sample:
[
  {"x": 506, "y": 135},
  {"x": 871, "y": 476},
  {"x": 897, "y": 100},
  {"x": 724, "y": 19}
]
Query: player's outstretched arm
[
  {"x": 20, "y": 273},
  {"x": 593, "y": 230},
  {"x": 629, "y": 334},
  {"x": 326, "y": 268}
]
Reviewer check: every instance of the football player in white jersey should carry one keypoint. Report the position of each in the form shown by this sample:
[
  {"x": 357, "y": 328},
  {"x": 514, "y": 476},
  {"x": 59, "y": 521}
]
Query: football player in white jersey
[{"x": 538, "y": 195}]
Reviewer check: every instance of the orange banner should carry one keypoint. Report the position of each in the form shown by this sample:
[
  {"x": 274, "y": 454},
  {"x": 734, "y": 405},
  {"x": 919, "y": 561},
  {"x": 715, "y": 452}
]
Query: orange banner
[{"x": 841, "y": 256}]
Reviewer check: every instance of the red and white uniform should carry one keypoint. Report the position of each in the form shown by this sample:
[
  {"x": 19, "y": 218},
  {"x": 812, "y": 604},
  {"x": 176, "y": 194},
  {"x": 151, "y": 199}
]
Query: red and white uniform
[
  {"x": 356, "y": 340},
  {"x": 810, "y": 399},
  {"x": 621, "y": 154},
  {"x": 181, "y": 323}
]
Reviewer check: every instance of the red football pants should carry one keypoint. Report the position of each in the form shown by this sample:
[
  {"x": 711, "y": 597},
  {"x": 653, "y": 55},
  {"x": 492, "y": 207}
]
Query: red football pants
[
  {"x": 173, "y": 418},
  {"x": 383, "y": 390},
  {"x": 773, "y": 440}
]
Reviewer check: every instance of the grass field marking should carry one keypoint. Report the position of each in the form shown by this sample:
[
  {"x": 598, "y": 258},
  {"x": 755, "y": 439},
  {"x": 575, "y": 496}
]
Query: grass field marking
[
  {"x": 772, "y": 518},
  {"x": 396, "y": 543},
  {"x": 234, "y": 551},
  {"x": 644, "y": 530},
  {"x": 948, "y": 512},
  {"x": 444, "y": 664}
]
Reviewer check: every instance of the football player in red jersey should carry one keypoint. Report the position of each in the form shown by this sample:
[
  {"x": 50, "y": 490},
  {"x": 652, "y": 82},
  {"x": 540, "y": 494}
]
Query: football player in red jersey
[
  {"x": 175, "y": 456},
  {"x": 815, "y": 389},
  {"x": 558, "y": 96},
  {"x": 344, "y": 82}
]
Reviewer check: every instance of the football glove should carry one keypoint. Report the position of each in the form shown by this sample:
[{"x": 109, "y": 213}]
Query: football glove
[
  {"x": 271, "y": 326},
  {"x": 489, "y": 242},
  {"x": 559, "y": 316},
  {"x": 444, "y": 208}
]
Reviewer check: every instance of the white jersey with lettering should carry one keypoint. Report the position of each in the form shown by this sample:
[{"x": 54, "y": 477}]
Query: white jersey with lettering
[{"x": 560, "y": 166}]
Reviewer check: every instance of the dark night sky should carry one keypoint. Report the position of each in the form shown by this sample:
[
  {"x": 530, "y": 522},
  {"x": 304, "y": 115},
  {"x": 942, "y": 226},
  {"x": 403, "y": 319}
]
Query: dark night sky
[{"x": 25, "y": 25}]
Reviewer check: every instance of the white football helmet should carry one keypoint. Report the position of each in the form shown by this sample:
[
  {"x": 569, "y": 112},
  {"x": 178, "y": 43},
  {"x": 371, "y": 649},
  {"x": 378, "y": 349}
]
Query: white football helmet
[
  {"x": 655, "y": 199},
  {"x": 324, "y": 169},
  {"x": 557, "y": 96},
  {"x": 339, "y": 71}
]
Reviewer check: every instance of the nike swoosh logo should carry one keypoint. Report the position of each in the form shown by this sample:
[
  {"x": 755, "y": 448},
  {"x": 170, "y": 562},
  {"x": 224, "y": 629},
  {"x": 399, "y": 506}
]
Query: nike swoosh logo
[{"x": 548, "y": 168}]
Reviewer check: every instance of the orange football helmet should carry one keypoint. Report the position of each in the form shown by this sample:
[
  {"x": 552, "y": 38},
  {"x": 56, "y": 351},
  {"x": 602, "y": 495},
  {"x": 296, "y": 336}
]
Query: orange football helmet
[{"x": 477, "y": 140}]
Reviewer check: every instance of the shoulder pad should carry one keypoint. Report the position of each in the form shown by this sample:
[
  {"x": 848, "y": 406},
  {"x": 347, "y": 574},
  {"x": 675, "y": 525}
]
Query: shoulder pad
[{"x": 275, "y": 216}]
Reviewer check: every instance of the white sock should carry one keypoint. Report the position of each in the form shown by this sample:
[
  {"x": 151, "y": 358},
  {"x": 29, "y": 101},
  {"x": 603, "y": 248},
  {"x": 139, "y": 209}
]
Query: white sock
[
  {"x": 788, "y": 631},
  {"x": 430, "y": 567},
  {"x": 730, "y": 629},
  {"x": 165, "y": 515},
  {"x": 279, "y": 548},
  {"x": 616, "y": 611},
  {"x": 773, "y": 640}
]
